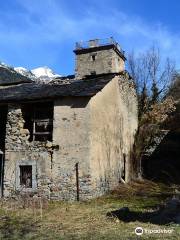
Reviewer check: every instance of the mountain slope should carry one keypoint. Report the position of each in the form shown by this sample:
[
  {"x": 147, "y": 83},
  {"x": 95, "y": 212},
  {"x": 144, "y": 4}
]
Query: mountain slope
[
  {"x": 8, "y": 76},
  {"x": 25, "y": 72}
]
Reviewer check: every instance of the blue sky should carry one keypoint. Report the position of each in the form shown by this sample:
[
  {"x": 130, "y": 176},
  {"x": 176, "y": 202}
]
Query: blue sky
[{"x": 37, "y": 33}]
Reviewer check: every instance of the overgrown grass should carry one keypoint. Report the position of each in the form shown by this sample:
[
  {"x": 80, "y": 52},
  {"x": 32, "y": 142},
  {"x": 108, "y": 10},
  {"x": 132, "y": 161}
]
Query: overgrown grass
[{"x": 87, "y": 220}]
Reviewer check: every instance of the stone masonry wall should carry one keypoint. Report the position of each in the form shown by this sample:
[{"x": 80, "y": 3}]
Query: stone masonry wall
[
  {"x": 93, "y": 132},
  {"x": 53, "y": 163},
  {"x": 106, "y": 61},
  {"x": 71, "y": 133},
  {"x": 19, "y": 151}
]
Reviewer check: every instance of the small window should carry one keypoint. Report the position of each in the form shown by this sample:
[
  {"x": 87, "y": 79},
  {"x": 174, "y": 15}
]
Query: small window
[
  {"x": 93, "y": 58},
  {"x": 26, "y": 176}
]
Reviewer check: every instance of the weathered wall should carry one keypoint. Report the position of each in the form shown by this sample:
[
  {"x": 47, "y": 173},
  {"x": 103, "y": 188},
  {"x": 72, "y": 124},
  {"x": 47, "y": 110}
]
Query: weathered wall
[
  {"x": 106, "y": 61},
  {"x": 53, "y": 164},
  {"x": 93, "y": 132},
  {"x": 71, "y": 133},
  {"x": 113, "y": 125},
  {"x": 19, "y": 151}
]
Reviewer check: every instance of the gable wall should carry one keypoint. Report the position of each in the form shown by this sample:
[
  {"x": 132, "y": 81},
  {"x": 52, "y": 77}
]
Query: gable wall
[{"x": 113, "y": 125}]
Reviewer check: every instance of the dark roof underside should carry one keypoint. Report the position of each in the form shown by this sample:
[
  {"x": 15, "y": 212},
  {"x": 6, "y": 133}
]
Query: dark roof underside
[{"x": 37, "y": 91}]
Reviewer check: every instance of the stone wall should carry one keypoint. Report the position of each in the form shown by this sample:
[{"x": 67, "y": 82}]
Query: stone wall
[
  {"x": 93, "y": 132},
  {"x": 106, "y": 61},
  {"x": 19, "y": 151},
  {"x": 54, "y": 173},
  {"x": 53, "y": 163},
  {"x": 71, "y": 133}
]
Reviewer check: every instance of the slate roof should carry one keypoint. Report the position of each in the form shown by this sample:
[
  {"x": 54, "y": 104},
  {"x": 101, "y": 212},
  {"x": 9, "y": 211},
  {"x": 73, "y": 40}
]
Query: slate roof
[
  {"x": 60, "y": 87},
  {"x": 9, "y": 76}
]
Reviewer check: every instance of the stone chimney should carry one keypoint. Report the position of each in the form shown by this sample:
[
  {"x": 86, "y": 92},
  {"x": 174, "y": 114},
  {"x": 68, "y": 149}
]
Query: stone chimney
[{"x": 98, "y": 57}]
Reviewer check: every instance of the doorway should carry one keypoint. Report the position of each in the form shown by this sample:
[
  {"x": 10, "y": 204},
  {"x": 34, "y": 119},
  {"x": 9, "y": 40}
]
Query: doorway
[{"x": 124, "y": 167}]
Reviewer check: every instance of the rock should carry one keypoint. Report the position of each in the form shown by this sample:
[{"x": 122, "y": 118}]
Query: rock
[
  {"x": 49, "y": 144},
  {"x": 14, "y": 129},
  {"x": 12, "y": 138},
  {"x": 18, "y": 111},
  {"x": 18, "y": 141},
  {"x": 21, "y": 124},
  {"x": 24, "y": 132}
]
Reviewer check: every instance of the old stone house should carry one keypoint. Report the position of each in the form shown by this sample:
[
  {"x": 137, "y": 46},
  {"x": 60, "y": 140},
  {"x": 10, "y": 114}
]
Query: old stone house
[{"x": 69, "y": 138}]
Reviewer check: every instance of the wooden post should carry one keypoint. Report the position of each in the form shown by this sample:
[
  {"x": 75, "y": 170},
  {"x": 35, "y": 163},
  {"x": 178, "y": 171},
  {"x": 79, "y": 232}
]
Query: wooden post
[
  {"x": 2, "y": 172},
  {"x": 77, "y": 181}
]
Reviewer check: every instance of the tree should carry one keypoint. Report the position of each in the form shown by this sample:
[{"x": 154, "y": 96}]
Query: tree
[
  {"x": 152, "y": 77},
  {"x": 155, "y": 93},
  {"x": 150, "y": 128},
  {"x": 143, "y": 101}
]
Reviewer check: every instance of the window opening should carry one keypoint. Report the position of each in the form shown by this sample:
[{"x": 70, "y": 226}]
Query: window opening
[
  {"x": 26, "y": 176},
  {"x": 124, "y": 167},
  {"x": 93, "y": 58},
  {"x": 39, "y": 121}
]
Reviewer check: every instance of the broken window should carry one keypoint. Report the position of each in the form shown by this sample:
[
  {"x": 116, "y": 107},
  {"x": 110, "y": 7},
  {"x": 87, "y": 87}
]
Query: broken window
[
  {"x": 26, "y": 176},
  {"x": 39, "y": 120}
]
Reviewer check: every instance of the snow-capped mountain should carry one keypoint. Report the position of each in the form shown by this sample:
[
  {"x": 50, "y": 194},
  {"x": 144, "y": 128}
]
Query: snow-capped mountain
[
  {"x": 25, "y": 72},
  {"x": 43, "y": 74}
]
